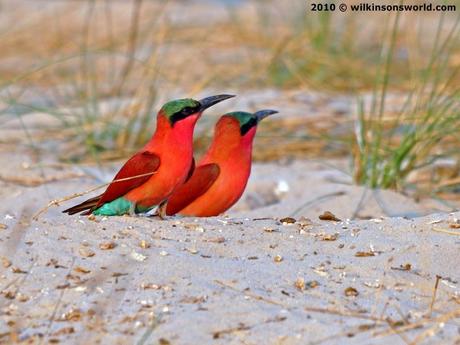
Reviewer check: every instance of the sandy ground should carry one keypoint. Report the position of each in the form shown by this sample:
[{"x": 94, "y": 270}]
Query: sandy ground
[{"x": 245, "y": 278}]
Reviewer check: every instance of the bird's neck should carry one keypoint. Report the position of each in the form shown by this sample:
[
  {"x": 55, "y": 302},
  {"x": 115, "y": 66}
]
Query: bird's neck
[
  {"x": 180, "y": 135},
  {"x": 229, "y": 147}
]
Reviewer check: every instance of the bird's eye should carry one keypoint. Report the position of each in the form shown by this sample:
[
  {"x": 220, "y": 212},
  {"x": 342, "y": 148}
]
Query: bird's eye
[{"x": 187, "y": 111}]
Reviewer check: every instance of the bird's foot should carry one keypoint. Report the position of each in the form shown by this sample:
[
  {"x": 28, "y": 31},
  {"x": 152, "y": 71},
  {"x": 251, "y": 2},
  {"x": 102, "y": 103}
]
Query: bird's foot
[
  {"x": 132, "y": 210},
  {"x": 161, "y": 210}
]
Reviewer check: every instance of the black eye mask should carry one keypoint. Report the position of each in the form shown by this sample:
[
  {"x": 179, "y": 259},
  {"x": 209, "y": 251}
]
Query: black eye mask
[
  {"x": 184, "y": 113},
  {"x": 248, "y": 125}
]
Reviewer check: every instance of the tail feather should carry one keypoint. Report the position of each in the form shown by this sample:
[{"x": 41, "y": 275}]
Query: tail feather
[{"x": 88, "y": 206}]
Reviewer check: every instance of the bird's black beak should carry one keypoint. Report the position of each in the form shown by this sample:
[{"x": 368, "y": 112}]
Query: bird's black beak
[
  {"x": 262, "y": 114},
  {"x": 210, "y": 101}
]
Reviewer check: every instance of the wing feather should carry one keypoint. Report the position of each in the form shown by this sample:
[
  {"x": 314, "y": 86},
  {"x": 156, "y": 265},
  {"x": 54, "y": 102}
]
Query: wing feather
[
  {"x": 202, "y": 179},
  {"x": 136, "y": 171}
]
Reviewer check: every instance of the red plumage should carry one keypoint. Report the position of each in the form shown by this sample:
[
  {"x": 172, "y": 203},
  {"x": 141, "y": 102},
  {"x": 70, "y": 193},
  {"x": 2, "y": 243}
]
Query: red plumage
[
  {"x": 201, "y": 180},
  {"x": 167, "y": 158},
  {"x": 220, "y": 177},
  {"x": 150, "y": 177},
  {"x": 142, "y": 164}
]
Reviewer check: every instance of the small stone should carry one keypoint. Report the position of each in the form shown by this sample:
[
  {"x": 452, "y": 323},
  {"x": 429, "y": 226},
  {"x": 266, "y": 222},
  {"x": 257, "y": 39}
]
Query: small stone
[
  {"x": 405, "y": 267},
  {"x": 150, "y": 286},
  {"x": 144, "y": 244},
  {"x": 281, "y": 188},
  {"x": 312, "y": 284},
  {"x": 6, "y": 262},
  {"x": 216, "y": 240},
  {"x": 138, "y": 257},
  {"x": 164, "y": 253},
  {"x": 278, "y": 258},
  {"x": 364, "y": 254},
  {"x": 22, "y": 298},
  {"x": 287, "y": 220},
  {"x": 107, "y": 245},
  {"x": 83, "y": 270},
  {"x": 330, "y": 237},
  {"x": 86, "y": 252},
  {"x": 65, "y": 330},
  {"x": 17, "y": 270},
  {"x": 329, "y": 216},
  {"x": 351, "y": 292},
  {"x": 9, "y": 294},
  {"x": 194, "y": 227},
  {"x": 92, "y": 217},
  {"x": 300, "y": 284},
  {"x": 454, "y": 225},
  {"x": 3, "y": 226},
  {"x": 72, "y": 315}
]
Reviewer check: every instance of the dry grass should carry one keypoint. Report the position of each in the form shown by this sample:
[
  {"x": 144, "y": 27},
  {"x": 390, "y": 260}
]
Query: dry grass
[
  {"x": 424, "y": 130},
  {"x": 102, "y": 68}
]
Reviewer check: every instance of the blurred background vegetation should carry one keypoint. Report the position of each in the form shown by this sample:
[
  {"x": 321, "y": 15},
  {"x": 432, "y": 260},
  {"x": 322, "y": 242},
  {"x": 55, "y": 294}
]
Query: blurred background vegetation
[{"x": 95, "y": 72}]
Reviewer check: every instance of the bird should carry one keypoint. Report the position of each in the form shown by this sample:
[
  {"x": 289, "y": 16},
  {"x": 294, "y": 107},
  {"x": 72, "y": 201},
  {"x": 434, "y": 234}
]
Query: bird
[
  {"x": 221, "y": 176},
  {"x": 150, "y": 176}
]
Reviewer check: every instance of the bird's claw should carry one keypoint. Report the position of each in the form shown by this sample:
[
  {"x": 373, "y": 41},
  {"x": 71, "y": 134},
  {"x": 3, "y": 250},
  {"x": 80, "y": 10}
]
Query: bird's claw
[{"x": 161, "y": 210}]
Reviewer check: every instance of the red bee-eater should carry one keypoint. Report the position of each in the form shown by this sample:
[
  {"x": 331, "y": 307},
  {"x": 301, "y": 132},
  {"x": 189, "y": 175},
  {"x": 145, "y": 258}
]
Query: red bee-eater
[
  {"x": 149, "y": 177},
  {"x": 220, "y": 177}
]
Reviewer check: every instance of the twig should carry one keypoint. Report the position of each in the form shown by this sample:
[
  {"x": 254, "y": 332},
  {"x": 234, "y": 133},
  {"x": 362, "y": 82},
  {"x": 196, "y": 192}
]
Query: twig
[
  {"x": 318, "y": 199},
  {"x": 309, "y": 309},
  {"x": 343, "y": 313},
  {"x": 437, "y": 325},
  {"x": 58, "y": 303},
  {"x": 250, "y": 294},
  {"x": 241, "y": 327},
  {"x": 360, "y": 204},
  {"x": 442, "y": 318},
  {"x": 397, "y": 331},
  {"x": 384, "y": 309},
  {"x": 433, "y": 298},
  {"x": 76, "y": 195},
  {"x": 353, "y": 331},
  {"x": 448, "y": 183},
  {"x": 154, "y": 324},
  {"x": 450, "y": 232},
  {"x": 37, "y": 181}
]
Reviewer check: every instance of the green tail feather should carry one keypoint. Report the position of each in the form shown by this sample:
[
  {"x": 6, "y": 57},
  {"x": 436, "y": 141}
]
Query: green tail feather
[{"x": 119, "y": 207}]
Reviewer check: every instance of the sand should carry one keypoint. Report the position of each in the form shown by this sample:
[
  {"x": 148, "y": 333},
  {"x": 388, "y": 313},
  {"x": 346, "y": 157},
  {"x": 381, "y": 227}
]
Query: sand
[{"x": 248, "y": 277}]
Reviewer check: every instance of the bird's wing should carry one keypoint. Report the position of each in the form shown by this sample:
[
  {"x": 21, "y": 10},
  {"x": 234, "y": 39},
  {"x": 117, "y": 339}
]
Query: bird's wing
[
  {"x": 136, "y": 171},
  {"x": 202, "y": 179},
  {"x": 192, "y": 169}
]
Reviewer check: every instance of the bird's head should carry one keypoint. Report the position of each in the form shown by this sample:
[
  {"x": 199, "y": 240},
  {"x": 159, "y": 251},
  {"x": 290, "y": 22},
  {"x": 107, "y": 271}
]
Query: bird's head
[
  {"x": 187, "y": 108},
  {"x": 234, "y": 133},
  {"x": 248, "y": 121},
  {"x": 238, "y": 129}
]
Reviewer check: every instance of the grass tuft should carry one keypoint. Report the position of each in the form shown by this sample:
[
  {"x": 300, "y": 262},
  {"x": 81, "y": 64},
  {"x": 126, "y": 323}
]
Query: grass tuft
[{"x": 391, "y": 147}]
